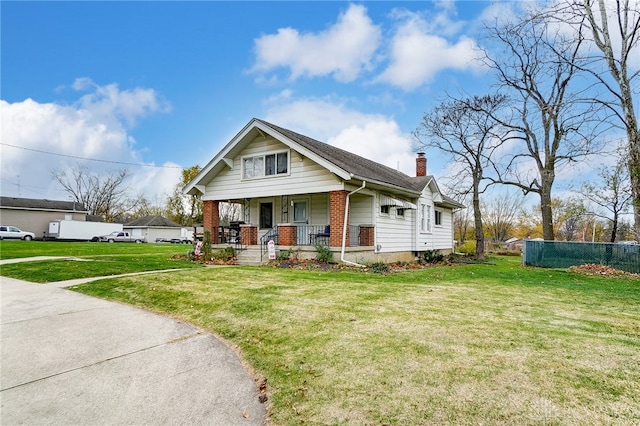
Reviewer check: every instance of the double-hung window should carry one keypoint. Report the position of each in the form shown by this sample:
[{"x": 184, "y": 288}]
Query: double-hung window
[
  {"x": 438, "y": 220},
  {"x": 265, "y": 165},
  {"x": 425, "y": 218}
]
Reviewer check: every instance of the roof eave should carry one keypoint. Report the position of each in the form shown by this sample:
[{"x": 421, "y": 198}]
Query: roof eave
[{"x": 396, "y": 188}]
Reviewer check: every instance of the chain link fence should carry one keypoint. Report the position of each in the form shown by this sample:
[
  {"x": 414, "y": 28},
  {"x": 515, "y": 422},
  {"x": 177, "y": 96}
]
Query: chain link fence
[{"x": 563, "y": 254}]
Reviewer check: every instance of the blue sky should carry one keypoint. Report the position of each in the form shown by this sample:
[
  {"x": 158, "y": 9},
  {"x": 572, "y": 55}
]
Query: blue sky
[{"x": 167, "y": 84}]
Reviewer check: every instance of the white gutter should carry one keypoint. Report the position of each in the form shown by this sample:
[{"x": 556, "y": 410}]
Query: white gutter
[{"x": 344, "y": 227}]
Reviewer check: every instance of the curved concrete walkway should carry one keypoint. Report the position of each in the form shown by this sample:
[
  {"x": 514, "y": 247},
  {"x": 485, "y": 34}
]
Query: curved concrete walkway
[{"x": 68, "y": 358}]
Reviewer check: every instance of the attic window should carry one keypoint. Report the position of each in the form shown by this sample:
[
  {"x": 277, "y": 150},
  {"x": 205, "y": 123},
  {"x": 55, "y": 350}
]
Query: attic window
[{"x": 265, "y": 165}]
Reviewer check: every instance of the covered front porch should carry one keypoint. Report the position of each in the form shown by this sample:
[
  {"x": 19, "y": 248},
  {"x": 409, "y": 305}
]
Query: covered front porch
[{"x": 296, "y": 220}]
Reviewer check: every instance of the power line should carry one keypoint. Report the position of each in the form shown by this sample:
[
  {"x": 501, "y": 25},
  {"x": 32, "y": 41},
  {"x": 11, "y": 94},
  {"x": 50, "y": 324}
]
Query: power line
[{"x": 91, "y": 159}]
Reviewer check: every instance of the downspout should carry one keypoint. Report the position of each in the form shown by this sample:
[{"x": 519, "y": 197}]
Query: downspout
[{"x": 344, "y": 227}]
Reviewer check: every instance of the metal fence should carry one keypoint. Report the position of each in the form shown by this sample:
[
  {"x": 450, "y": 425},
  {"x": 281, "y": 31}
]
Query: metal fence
[{"x": 563, "y": 254}]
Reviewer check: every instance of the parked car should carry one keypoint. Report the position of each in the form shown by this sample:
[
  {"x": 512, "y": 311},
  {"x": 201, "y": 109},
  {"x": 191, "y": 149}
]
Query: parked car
[
  {"x": 13, "y": 233},
  {"x": 121, "y": 237}
]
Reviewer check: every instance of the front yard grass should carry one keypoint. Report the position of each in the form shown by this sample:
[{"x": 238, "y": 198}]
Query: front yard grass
[
  {"x": 464, "y": 345},
  {"x": 89, "y": 259}
]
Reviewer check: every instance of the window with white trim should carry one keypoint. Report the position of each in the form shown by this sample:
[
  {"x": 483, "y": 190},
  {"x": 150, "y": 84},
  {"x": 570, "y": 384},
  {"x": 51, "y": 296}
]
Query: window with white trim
[
  {"x": 265, "y": 165},
  {"x": 399, "y": 212},
  {"x": 384, "y": 209},
  {"x": 423, "y": 219},
  {"x": 438, "y": 220}
]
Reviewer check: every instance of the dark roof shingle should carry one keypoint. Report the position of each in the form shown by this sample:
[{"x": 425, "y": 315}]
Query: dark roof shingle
[
  {"x": 153, "y": 220},
  {"x": 38, "y": 204},
  {"x": 352, "y": 163}
]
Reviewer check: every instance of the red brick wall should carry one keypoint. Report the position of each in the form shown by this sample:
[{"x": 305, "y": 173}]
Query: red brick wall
[
  {"x": 337, "y": 201},
  {"x": 287, "y": 235},
  {"x": 366, "y": 235},
  {"x": 249, "y": 235},
  {"x": 211, "y": 218}
]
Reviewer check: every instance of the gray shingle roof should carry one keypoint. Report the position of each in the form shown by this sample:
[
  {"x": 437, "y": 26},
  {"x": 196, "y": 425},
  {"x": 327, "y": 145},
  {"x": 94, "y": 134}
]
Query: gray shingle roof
[
  {"x": 153, "y": 221},
  {"x": 352, "y": 163},
  {"x": 37, "y": 204}
]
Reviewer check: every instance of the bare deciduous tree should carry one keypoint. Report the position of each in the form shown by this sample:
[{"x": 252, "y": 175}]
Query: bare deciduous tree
[
  {"x": 462, "y": 219},
  {"x": 101, "y": 195},
  {"x": 613, "y": 194},
  {"x": 229, "y": 212},
  {"x": 613, "y": 27},
  {"x": 466, "y": 131},
  {"x": 500, "y": 215},
  {"x": 569, "y": 217},
  {"x": 549, "y": 119}
]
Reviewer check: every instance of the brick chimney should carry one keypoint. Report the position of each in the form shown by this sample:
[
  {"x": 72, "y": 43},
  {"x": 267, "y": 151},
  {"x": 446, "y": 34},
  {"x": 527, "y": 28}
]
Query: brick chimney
[{"x": 421, "y": 164}]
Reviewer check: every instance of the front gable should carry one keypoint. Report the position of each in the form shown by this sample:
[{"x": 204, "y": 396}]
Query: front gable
[{"x": 261, "y": 165}]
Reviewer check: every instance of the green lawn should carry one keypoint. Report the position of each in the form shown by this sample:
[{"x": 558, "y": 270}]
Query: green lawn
[
  {"x": 17, "y": 249},
  {"x": 89, "y": 259},
  {"x": 474, "y": 344}
]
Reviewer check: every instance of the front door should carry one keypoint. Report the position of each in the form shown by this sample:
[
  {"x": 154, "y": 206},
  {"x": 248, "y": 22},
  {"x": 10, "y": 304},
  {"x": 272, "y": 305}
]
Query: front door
[
  {"x": 266, "y": 215},
  {"x": 301, "y": 219}
]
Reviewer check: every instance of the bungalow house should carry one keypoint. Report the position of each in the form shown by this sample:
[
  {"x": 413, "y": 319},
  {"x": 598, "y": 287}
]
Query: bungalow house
[{"x": 298, "y": 191}]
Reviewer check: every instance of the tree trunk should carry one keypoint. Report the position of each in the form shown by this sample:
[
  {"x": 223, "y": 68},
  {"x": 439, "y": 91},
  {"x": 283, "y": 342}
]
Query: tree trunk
[
  {"x": 614, "y": 228},
  {"x": 634, "y": 176},
  {"x": 478, "y": 222},
  {"x": 547, "y": 214}
]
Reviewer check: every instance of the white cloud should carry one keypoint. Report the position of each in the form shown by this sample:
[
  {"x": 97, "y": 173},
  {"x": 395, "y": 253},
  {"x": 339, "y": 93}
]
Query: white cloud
[
  {"x": 96, "y": 126},
  {"x": 379, "y": 140},
  {"x": 418, "y": 51},
  {"x": 372, "y": 136},
  {"x": 110, "y": 104},
  {"x": 343, "y": 50}
]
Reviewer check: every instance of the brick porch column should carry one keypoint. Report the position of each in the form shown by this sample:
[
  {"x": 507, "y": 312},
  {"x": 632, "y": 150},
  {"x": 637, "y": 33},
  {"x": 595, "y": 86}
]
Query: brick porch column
[
  {"x": 337, "y": 200},
  {"x": 366, "y": 235},
  {"x": 249, "y": 235},
  {"x": 211, "y": 218},
  {"x": 287, "y": 234}
]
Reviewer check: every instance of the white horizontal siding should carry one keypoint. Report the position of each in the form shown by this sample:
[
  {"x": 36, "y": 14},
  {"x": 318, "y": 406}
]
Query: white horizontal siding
[
  {"x": 360, "y": 210},
  {"x": 319, "y": 209},
  {"x": 440, "y": 237},
  {"x": 394, "y": 233},
  {"x": 304, "y": 176}
]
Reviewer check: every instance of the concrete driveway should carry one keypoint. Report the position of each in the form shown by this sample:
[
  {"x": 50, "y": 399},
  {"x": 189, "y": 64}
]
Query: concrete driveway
[{"x": 68, "y": 358}]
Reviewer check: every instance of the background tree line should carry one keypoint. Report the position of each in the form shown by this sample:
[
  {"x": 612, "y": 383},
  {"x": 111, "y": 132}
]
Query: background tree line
[{"x": 564, "y": 79}]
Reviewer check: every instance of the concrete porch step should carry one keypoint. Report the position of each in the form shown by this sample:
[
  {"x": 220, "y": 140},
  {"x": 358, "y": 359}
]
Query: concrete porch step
[{"x": 250, "y": 257}]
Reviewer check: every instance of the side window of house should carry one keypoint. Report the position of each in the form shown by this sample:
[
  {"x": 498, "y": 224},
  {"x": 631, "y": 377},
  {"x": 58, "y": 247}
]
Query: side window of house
[
  {"x": 384, "y": 209},
  {"x": 438, "y": 217},
  {"x": 428, "y": 217},
  {"x": 265, "y": 165},
  {"x": 399, "y": 212}
]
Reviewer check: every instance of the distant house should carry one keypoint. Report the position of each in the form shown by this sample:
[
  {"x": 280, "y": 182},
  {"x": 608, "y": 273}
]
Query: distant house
[
  {"x": 298, "y": 191},
  {"x": 34, "y": 215},
  {"x": 157, "y": 228},
  {"x": 514, "y": 243}
]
